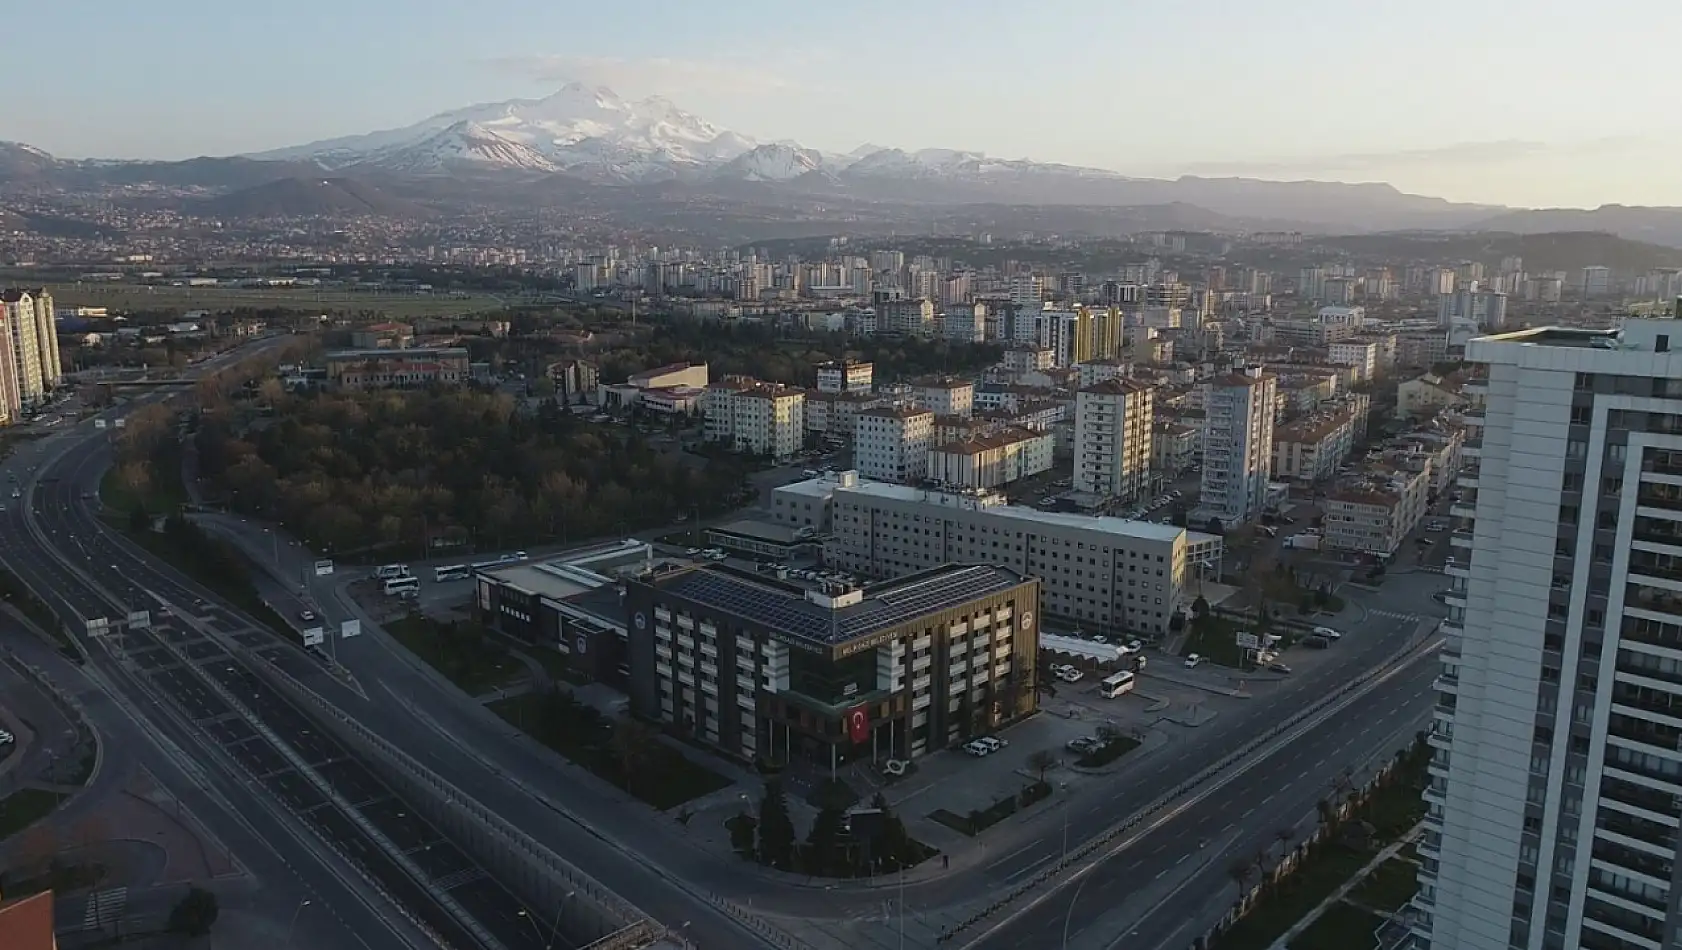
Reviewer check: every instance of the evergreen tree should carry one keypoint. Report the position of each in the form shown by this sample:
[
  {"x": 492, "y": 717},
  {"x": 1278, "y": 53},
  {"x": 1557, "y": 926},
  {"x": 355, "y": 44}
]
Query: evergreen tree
[{"x": 776, "y": 828}]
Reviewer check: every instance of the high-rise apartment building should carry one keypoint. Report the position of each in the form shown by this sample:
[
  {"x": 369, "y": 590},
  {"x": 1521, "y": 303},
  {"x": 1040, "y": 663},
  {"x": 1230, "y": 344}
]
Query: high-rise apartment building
[
  {"x": 32, "y": 345},
  {"x": 1555, "y": 794},
  {"x": 756, "y": 417},
  {"x": 1237, "y": 445},
  {"x": 1597, "y": 281},
  {"x": 1113, "y": 425}
]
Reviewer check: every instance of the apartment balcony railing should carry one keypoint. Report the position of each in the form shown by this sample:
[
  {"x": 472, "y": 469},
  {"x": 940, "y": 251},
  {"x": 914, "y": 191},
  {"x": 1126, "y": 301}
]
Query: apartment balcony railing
[
  {"x": 1663, "y": 464},
  {"x": 1651, "y": 833},
  {"x": 1651, "y": 565},
  {"x": 1655, "y": 599},
  {"x": 1660, "y": 500},
  {"x": 1649, "y": 800},
  {"x": 1461, "y": 539}
]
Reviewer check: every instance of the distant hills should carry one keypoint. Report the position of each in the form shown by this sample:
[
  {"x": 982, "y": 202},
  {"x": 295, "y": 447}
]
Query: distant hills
[{"x": 309, "y": 198}]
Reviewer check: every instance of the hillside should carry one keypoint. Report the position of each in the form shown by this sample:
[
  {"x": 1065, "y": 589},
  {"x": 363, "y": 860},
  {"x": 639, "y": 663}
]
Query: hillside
[
  {"x": 1564, "y": 251},
  {"x": 309, "y": 197},
  {"x": 1656, "y": 225}
]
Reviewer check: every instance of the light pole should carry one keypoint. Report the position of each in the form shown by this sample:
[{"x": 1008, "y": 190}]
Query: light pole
[
  {"x": 293, "y": 924},
  {"x": 1069, "y": 916},
  {"x": 1064, "y": 787},
  {"x": 901, "y": 905}
]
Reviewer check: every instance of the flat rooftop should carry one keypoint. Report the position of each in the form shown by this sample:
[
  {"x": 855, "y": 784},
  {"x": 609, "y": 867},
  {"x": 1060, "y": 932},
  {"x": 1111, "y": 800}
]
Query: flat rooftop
[
  {"x": 785, "y": 608},
  {"x": 1105, "y": 523}
]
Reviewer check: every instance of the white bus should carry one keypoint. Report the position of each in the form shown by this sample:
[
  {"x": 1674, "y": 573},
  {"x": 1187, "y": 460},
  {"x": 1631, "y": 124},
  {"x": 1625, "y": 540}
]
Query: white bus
[
  {"x": 402, "y": 585},
  {"x": 454, "y": 572},
  {"x": 386, "y": 572},
  {"x": 1115, "y": 685}
]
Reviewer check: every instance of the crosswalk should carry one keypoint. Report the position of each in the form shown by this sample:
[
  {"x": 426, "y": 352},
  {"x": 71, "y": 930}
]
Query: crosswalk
[
  {"x": 104, "y": 908},
  {"x": 1394, "y": 615}
]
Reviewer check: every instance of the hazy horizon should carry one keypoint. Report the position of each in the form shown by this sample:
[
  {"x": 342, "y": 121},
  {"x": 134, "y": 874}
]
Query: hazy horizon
[{"x": 1460, "y": 100}]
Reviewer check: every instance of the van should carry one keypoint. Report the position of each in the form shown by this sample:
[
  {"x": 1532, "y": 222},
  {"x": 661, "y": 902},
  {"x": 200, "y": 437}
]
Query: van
[{"x": 386, "y": 572}]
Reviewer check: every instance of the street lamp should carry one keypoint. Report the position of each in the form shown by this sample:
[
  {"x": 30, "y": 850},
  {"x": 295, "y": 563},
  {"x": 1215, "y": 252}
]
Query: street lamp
[
  {"x": 1069, "y": 916},
  {"x": 294, "y": 922}
]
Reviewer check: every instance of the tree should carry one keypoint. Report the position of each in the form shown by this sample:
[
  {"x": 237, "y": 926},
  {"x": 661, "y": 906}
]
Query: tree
[
  {"x": 742, "y": 834},
  {"x": 1200, "y": 607},
  {"x": 1284, "y": 836},
  {"x": 194, "y": 914},
  {"x": 894, "y": 847},
  {"x": 138, "y": 519},
  {"x": 776, "y": 828},
  {"x": 1215, "y": 527},
  {"x": 633, "y": 745},
  {"x": 823, "y": 842},
  {"x": 1042, "y": 761},
  {"x": 1239, "y": 871}
]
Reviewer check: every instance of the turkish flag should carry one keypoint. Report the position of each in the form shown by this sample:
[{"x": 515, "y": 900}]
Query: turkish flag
[{"x": 858, "y": 724}]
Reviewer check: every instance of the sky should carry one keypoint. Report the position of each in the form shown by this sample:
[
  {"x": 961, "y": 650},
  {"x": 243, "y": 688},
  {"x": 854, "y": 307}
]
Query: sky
[{"x": 1534, "y": 103}]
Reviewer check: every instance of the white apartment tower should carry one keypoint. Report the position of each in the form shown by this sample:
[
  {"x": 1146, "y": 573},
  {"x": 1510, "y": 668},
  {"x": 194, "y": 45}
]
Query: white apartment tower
[
  {"x": 892, "y": 444},
  {"x": 1113, "y": 432},
  {"x": 756, "y": 417},
  {"x": 1555, "y": 794},
  {"x": 1237, "y": 445},
  {"x": 845, "y": 376},
  {"x": 32, "y": 344}
]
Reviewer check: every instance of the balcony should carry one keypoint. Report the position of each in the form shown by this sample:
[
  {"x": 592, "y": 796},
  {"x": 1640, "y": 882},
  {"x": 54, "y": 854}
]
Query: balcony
[
  {"x": 1654, "y": 599},
  {"x": 1447, "y": 683},
  {"x": 1463, "y": 509},
  {"x": 1460, "y": 569},
  {"x": 1666, "y": 498},
  {"x": 1472, "y": 418},
  {"x": 1461, "y": 539},
  {"x": 1663, "y": 463},
  {"x": 1646, "y": 802}
]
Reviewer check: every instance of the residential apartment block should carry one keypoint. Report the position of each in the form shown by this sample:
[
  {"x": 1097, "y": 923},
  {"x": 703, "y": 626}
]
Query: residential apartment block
[
  {"x": 1373, "y": 512},
  {"x": 1113, "y": 439},
  {"x": 759, "y": 668},
  {"x": 845, "y": 376},
  {"x": 756, "y": 417},
  {"x": 1100, "y": 573},
  {"x": 892, "y": 445},
  {"x": 1556, "y": 782},
  {"x": 1311, "y": 449},
  {"x": 991, "y": 461},
  {"x": 945, "y": 396},
  {"x": 1237, "y": 446},
  {"x": 31, "y": 335},
  {"x": 1360, "y": 354},
  {"x": 1173, "y": 447},
  {"x": 837, "y": 414}
]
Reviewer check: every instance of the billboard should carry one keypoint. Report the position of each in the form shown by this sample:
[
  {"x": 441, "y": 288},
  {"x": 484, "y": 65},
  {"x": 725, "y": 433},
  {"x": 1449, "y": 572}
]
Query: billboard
[
  {"x": 323, "y": 568},
  {"x": 314, "y": 636},
  {"x": 139, "y": 619},
  {"x": 1248, "y": 641},
  {"x": 350, "y": 628}
]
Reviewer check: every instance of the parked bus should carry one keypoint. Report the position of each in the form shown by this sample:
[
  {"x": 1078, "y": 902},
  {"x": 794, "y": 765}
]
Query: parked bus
[
  {"x": 402, "y": 585},
  {"x": 1115, "y": 685},
  {"x": 454, "y": 572},
  {"x": 386, "y": 572}
]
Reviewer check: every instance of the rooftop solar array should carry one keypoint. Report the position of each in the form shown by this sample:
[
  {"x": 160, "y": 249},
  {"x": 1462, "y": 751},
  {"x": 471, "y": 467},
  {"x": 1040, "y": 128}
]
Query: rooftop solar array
[{"x": 884, "y": 605}]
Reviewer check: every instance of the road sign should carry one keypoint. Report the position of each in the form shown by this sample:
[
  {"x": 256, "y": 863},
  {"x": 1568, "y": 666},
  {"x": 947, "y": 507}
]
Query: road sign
[
  {"x": 139, "y": 619},
  {"x": 314, "y": 636},
  {"x": 323, "y": 568},
  {"x": 121, "y": 423},
  {"x": 1248, "y": 641},
  {"x": 99, "y": 423},
  {"x": 350, "y": 628},
  {"x": 97, "y": 624}
]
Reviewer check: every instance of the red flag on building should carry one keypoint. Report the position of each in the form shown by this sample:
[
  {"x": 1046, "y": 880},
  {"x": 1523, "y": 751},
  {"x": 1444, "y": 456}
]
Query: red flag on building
[{"x": 858, "y": 724}]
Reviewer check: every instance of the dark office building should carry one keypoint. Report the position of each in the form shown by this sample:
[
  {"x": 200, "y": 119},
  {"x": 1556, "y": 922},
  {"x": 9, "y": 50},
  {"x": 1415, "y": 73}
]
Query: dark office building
[{"x": 764, "y": 668}]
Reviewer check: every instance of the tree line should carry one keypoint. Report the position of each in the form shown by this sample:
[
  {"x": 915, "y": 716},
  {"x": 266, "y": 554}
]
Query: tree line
[{"x": 430, "y": 469}]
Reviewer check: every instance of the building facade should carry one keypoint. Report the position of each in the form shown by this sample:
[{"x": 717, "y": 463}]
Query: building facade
[
  {"x": 1311, "y": 449},
  {"x": 1556, "y": 782},
  {"x": 845, "y": 376},
  {"x": 1113, "y": 439},
  {"x": 1237, "y": 446},
  {"x": 1100, "y": 573},
  {"x": 756, "y": 417},
  {"x": 761, "y": 669},
  {"x": 32, "y": 335},
  {"x": 945, "y": 397},
  {"x": 892, "y": 445},
  {"x": 1373, "y": 514},
  {"x": 397, "y": 369},
  {"x": 993, "y": 460}
]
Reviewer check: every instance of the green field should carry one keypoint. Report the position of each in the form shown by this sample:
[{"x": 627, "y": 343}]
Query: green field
[{"x": 136, "y": 297}]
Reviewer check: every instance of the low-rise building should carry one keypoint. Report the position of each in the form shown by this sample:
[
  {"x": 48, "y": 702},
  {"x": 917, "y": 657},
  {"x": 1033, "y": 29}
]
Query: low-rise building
[
  {"x": 1028, "y": 358},
  {"x": 991, "y": 461},
  {"x": 762, "y": 669},
  {"x": 1360, "y": 354},
  {"x": 1093, "y": 372},
  {"x": 629, "y": 394},
  {"x": 382, "y": 336},
  {"x": 1373, "y": 512},
  {"x": 892, "y": 444},
  {"x": 575, "y": 381},
  {"x": 1429, "y": 394},
  {"x": 397, "y": 369},
  {"x": 1173, "y": 447},
  {"x": 836, "y": 414},
  {"x": 756, "y": 417},
  {"x": 1311, "y": 449}
]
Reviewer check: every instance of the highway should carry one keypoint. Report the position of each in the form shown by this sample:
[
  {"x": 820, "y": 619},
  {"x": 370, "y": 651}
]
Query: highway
[{"x": 1166, "y": 883}]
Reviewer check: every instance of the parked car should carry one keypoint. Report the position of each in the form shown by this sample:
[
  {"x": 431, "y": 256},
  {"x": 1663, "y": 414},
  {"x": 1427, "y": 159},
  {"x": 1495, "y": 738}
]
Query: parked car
[
  {"x": 307, "y": 616},
  {"x": 1083, "y": 744},
  {"x": 1194, "y": 661},
  {"x": 1069, "y": 674},
  {"x": 1328, "y": 633},
  {"x": 993, "y": 743},
  {"x": 977, "y": 748},
  {"x": 1277, "y": 667}
]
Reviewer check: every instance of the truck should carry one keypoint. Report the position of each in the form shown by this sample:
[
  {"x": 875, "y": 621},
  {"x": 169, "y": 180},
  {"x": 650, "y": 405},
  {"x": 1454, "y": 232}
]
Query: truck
[{"x": 1307, "y": 542}]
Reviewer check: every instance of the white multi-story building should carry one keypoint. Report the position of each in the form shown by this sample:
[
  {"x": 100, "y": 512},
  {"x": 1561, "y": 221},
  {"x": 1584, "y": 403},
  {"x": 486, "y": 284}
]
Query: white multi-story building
[
  {"x": 1597, "y": 281},
  {"x": 845, "y": 376},
  {"x": 1555, "y": 795},
  {"x": 1237, "y": 446},
  {"x": 964, "y": 323},
  {"x": 1113, "y": 432},
  {"x": 1104, "y": 574},
  {"x": 993, "y": 460},
  {"x": 33, "y": 340},
  {"x": 1311, "y": 449},
  {"x": 1027, "y": 292},
  {"x": 756, "y": 417},
  {"x": 946, "y": 396},
  {"x": 892, "y": 444},
  {"x": 1361, "y": 354}
]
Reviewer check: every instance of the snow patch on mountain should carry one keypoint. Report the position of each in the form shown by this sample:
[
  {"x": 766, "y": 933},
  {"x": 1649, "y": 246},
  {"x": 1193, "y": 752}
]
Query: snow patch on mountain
[
  {"x": 463, "y": 146},
  {"x": 776, "y": 162}
]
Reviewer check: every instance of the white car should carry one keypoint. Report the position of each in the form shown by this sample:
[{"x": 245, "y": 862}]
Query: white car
[
  {"x": 1194, "y": 661},
  {"x": 1131, "y": 647},
  {"x": 977, "y": 748},
  {"x": 6, "y": 738},
  {"x": 993, "y": 743},
  {"x": 1069, "y": 674},
  {"x": 1327, "y": 632}
]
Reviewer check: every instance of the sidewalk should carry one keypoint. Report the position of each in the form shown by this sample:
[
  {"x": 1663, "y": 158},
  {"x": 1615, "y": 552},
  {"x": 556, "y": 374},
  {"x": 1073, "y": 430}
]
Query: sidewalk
[{"x": 1283, "y": 943}]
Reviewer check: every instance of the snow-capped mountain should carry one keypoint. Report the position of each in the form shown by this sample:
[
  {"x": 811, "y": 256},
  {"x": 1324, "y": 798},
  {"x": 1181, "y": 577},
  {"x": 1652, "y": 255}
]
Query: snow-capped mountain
[
  {"x": 580, "y": 129},
  {"x": 465, "y": 146},
  {"x": 775, "y": 162}
]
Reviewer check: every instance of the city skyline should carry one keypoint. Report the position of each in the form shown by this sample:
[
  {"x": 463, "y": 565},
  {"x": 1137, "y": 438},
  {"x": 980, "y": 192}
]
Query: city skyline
[{"x": 1323, "y": 93}]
